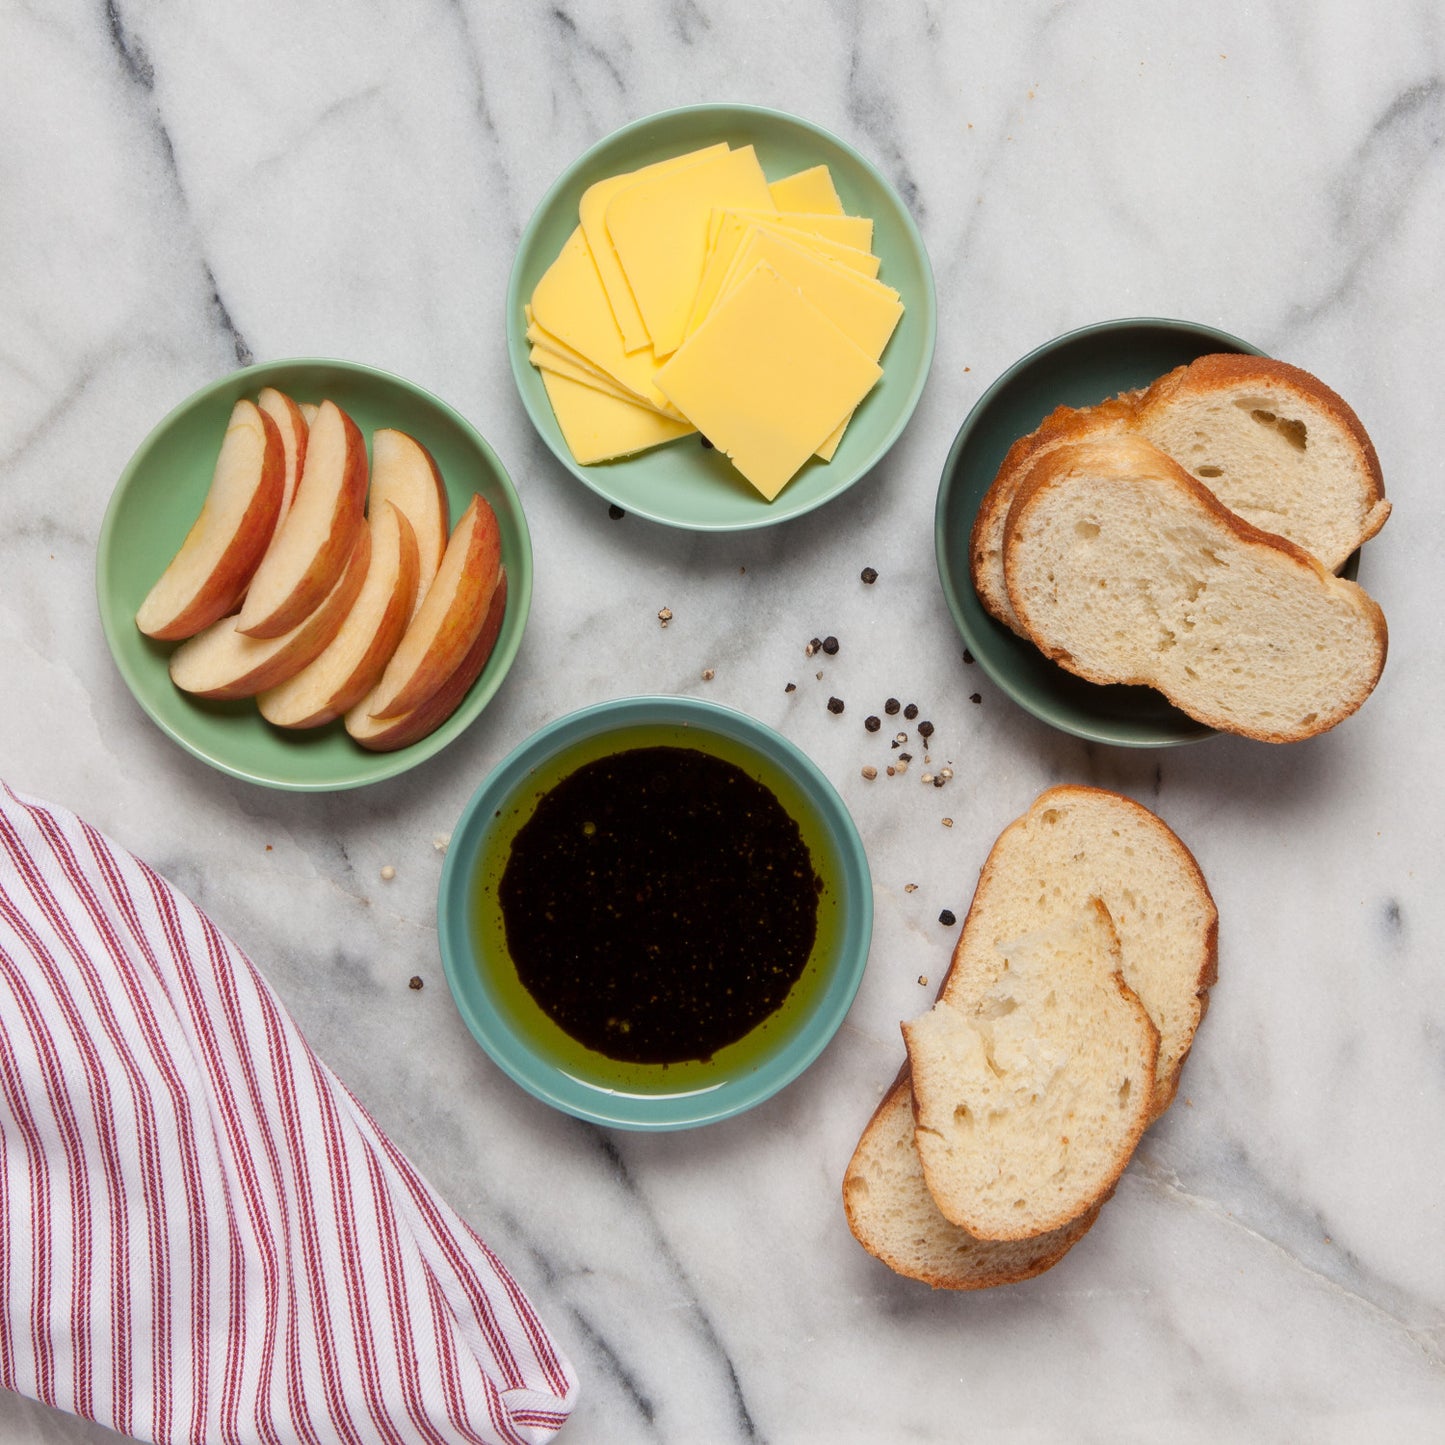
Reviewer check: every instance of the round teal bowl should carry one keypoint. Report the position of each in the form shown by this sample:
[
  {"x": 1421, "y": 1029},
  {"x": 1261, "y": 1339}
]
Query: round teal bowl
[
  {"x": 524, "y": 1042},
  {"x": 682, "y": 484},
  {"x": 1080, "y": 368},
  {"x": 158, "y": 497}
]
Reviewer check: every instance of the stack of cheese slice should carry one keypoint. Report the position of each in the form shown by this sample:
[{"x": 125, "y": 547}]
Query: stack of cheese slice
[{"x": 696, "y": 296}]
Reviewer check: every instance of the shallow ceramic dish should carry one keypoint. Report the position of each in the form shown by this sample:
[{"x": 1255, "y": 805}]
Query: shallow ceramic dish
[
  {"x": 683, "y": 484},
  {"x": 524, "y": 1042},
  {"x": 1077, "y": 369},
  {"x": 158, "y": 497}
]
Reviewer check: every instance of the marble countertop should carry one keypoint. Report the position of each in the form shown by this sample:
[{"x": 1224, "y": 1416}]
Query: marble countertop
[{"x": 186, "y": 189}]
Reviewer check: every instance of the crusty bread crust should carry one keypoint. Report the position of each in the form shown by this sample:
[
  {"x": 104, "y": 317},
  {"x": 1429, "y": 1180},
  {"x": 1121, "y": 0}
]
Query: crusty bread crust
[
  {"x": 1157, "y": 480},
  {"x": 985, "y": 543},
  {"x": 935, "y": 1250}
]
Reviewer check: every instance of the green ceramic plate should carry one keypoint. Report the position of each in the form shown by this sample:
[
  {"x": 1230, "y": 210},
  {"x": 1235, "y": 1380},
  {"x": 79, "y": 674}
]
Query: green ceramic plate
[
  {"x": 1077, "y": 369},
  {"x": 682, "y": 484},
  {"x": 156, "y": 500},
  {"x": 527, "y": 1045}
]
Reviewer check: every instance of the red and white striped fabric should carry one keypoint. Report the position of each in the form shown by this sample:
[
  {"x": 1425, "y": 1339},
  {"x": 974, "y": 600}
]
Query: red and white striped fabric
[{"x": 204, "y": 1237}]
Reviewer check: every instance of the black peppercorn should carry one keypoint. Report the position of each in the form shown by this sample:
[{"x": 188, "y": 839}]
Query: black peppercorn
[
  {"x": 911, "y": 711},
  {"x": 835, "y": 704},
  {"x": 872, "y": 723},
  {"x": 925, "y": 729},
  {"x": 946, "y": 918},
  {"x": 869, "y": 576},
  {"x": 892, "y": 706},
  {"x": 830, "y": 645}
]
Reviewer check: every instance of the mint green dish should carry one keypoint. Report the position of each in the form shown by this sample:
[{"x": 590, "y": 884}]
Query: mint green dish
[
  {"x": 682, "y": 484},
  {"x": 158, "y": 497},
  {"x": 1077, "y": 369},
  {"x": 524, "y": 1042}
]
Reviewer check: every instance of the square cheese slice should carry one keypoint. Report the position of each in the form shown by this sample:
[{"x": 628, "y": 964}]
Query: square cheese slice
[
  {"x": 592, "y": 212},
  {"x": 659, "y": 228},
  {"x": 766, "y": 378},
  {"x": 570, "y": 303},
  {"x": 600, "y": 428},
  {"x": 809, "y": 190}
]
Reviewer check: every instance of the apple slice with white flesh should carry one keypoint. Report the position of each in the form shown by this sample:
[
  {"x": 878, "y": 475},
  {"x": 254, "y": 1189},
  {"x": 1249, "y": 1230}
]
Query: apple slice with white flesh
[
  {"x": 404, "y": 472},
  {"x": 313, "y": 544},
  {"x": 215, "y": 563},
  {"x": 356, "y": 657},
  {"x": 385, "y": 735},
  {"x": 450, "y": 616},
  {"x": 293, "y": 428},
  {"x": 223, "y": 662}
]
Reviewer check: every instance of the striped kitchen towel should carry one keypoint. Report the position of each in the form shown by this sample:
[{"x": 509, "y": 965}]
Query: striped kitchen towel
[{"x": 204, "y": 1237}]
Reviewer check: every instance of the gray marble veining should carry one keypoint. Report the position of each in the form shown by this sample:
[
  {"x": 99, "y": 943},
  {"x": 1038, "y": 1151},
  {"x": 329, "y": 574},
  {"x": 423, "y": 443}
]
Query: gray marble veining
[{"x": 184, "y": 189}]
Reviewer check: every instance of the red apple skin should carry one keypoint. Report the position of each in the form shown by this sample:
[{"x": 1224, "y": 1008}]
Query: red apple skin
[
  {"x": 225, "y": 584},
  {"x": 223, "y": 662},
  {"x": 403, "y": 471},
  {"x": 384, "y": 736},
  {"x": 356, "y": 657},
  {"x": 452, "y": 612},
  {"x": 294, "y": 431},
  {"x": 282, "y": 594}
]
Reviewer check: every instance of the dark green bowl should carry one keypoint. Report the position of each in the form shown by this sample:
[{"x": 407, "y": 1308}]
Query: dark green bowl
[{"x": 1077, "y": 369}]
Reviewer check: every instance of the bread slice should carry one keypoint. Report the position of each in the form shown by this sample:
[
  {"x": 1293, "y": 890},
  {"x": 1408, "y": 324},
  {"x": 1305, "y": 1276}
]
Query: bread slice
[
  {"x": 1032, "y": 1082},
  {"x": 1073, "y": 844},
  {"x": 1123, "y": 568},
  {"x": 891, "y": 1212},
  {"x": 1272, "y": 442},
  {"x": 1275, "y": 445},
  {"x": 985, "y": 544}
]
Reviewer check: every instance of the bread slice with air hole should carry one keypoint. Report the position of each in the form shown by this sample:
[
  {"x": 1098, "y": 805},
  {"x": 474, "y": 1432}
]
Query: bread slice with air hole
[
  {"x": 1275, "y": 445},
  {"x": 1124, "y": 569},
  {"x": 1271, "y": 441},
  {"x": 1073, "y": 844},
  {"x": 894, "y": 1217},
  {"x": 1032, "y": 1081}
]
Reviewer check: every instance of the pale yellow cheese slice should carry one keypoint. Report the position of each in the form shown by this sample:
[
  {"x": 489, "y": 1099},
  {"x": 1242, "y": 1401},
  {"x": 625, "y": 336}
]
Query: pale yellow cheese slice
[
  {"x": 767, "y": 378},
  {"x": 809, "y": 190},
  {"x": 854, "y": 231},
  {"x": 570, "y": 303},
  {"x": 600, "y": 428},
  {"x": 865, "y": 311},
  {"x": 659, "y": 228},
  {"x": 592, "y": 212},
  {"x": 545, "y": 359}
]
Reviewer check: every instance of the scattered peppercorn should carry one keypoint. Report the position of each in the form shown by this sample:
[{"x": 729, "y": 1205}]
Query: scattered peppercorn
[
  {"x": 925, "y": 729},
  {"x": 946, "y": 918},
  {"x": 968, "y": 657},
  {"x": 388, "y": 873},
  {"x": 870, "y": 772},
  {"x": 892, "y": 706},
  {"x": 415, "y": 981},
  {"x": 835, "y": 704},
  {"x": 905, "y": 757},
  {"x": 616, "y": 512},
  {"x": 910, "y": 888},
  {"x": 872, "y": 722},
  {"x": 923, "y": 980},
  {"x": 708, "y": 674},
  {"x": 812, "y": 647},
  {"x": 830, "y": 645},
  {"x": 869, "y": 575},
  {"x": 975, "y": 697},
  {"x": 791, "y": 687},
  {"x": 911, "y": 711},
  {"x": 948, "y": 822},
  {"x": 939, "y": 780},
  {"x": 706, "y": 445},
  {"x": 664, "y": 615}
]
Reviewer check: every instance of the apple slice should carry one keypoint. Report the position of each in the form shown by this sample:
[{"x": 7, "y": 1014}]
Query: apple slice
[
  {"x": 293, "y": 428},
  {"x": 385, "y": 735},
  {"x": 354, "y": 660},
  {"x": 404, "y": 472},
  {"x": 206, "y": 577},
  {"x": 223, "y": 662},
  {"x": 311, "y": 547},
  {"x": 450, "y": 616},
  {"x": 308, "y": 411}
]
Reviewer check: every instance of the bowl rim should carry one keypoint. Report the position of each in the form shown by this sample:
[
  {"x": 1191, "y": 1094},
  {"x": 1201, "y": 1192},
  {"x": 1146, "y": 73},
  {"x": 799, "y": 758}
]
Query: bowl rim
[
  {"x": 710, "y": 1103},
  {"x": 955, "y": 588},
  {"x": 594, "y": 478},
  {"x": 378, "y": 767}
]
